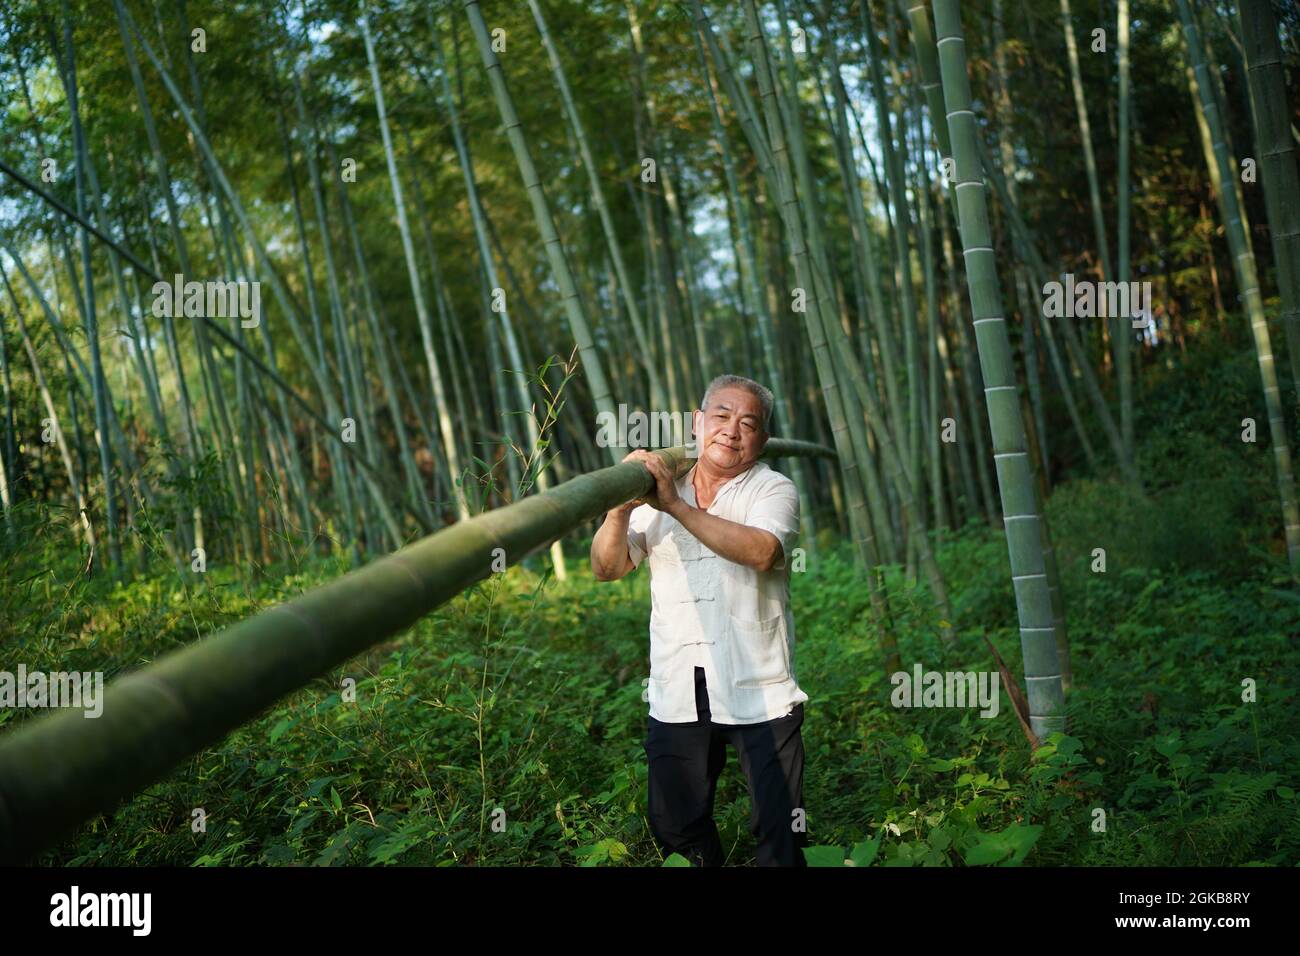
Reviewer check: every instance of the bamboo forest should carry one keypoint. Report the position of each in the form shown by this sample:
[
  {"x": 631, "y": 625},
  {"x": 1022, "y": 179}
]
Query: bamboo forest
[{"x": 939, "y": 359}]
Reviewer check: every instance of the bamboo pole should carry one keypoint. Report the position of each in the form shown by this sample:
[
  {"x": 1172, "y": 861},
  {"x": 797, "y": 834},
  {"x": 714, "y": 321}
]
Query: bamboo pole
[
  {"x": 99, "y": 385},
  {"x": 1123, "y": 330},
  {"x": 1020, "y": 510},
  {"x": 1277, "y": 160},
  {"x": 574, "y": 311},
  {"x": 417, "y": 291},
  {"x": 488, "y": 264},
  {"x": 1243, "y": 258},
  {"x": 74, "y": 482},
  {"x": 657, "y": 396}
]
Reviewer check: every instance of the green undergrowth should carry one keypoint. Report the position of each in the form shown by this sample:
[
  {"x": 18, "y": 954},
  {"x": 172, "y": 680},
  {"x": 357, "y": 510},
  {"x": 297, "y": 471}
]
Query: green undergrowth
[{"x": 507, "y": 727}]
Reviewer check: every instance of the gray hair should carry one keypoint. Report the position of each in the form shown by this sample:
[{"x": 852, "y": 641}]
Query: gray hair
[{"x": 763, "y": 394}]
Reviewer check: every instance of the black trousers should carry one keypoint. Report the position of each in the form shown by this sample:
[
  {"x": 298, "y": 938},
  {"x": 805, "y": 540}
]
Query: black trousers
[{"x": 685, "y": 761}]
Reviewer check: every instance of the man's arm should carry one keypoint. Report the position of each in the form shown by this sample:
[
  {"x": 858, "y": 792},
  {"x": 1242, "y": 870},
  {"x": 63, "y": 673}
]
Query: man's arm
[
  {"x": 753, "y": 547},
  {"x": 609, "y": 558}
]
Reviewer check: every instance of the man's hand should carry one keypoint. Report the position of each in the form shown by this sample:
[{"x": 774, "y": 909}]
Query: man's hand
[
  {"x": 624, "y": 511},
  {"x": 665, "y": 497}
]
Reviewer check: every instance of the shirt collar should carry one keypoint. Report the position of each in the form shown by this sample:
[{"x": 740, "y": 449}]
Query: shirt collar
[{"x": 689, "y": 479}]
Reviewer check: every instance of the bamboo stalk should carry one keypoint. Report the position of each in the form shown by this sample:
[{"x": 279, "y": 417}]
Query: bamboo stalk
[
  {"x": 99, "y": 385},
  {"x": 74, "y": 481},
  {"x": 1123, "y": 330},
  {"x": 574, "y": 310},
  {"x": 1243, "y": 258},
  {"x": 1277, "y": 161},
  {"x": 417, "y": 291},
  {"x": 1020, "y": 508}
]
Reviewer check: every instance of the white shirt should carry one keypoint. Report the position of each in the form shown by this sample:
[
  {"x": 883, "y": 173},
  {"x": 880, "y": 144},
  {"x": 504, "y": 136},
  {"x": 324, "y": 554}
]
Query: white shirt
[{"x": 730, "y": 619}]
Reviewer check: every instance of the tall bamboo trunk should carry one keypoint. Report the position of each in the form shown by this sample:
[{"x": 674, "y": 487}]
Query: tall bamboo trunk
[
  {"x": 488, "y": 264},
  {"x": 545, "y": 223},
  {"x": 1277, "y": 163},
  {"x": 1020, "y": 511},
  {"x": 99, "y": 385},
  {"x": 1248, "y": 284},
  {"x": 625, "y": 286},
  {"x": 413, "y": 271},
  {"x": 74, "y": 480},
  {"x": 1123, "y": 329}
]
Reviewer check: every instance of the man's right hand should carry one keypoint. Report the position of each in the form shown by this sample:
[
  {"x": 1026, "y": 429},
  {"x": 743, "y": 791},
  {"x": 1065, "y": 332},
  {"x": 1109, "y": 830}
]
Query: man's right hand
[{"x": 625, "y": 510}]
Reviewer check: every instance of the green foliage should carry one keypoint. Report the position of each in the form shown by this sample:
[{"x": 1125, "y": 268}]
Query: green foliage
[
  {"x": 521, "y": 704},
  {"x": 1209, "y": 499}
]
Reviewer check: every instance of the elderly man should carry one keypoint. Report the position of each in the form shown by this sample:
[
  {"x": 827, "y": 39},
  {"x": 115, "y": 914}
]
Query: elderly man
[{"x": 721, "y": 632}]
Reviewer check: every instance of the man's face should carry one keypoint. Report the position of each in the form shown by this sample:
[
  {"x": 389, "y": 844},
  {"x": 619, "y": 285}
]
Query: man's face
[{"x": 730, "y": 430}]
